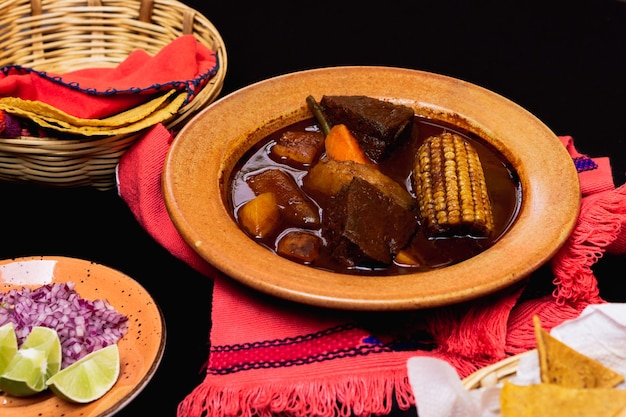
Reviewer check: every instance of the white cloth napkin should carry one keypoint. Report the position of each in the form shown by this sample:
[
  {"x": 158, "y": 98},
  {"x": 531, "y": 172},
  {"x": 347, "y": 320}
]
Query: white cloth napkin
[{"x": 599, "y": 332}]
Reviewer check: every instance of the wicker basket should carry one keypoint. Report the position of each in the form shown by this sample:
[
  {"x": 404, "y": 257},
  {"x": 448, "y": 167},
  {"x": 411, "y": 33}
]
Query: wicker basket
[
  {"x": 495, "y": 373},
  {"x": 66, "y": 35}
]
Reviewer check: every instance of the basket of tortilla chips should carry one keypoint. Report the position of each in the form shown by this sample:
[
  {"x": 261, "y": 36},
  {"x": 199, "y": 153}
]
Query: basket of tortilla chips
[
  {"x": 571, "y": 383},
  {"x": 82, "y": 80}
]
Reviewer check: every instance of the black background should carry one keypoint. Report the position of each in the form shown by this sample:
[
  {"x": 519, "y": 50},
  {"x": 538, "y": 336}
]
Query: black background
[{"x": 562, "y": 61}]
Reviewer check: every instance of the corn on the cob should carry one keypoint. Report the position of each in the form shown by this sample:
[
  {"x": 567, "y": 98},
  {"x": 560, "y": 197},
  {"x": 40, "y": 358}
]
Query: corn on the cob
[{"x": 450, "y": 187}]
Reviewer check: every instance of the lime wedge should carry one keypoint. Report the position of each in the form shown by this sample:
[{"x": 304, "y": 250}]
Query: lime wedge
[
  {"x": 89, "y": 378},
  {"x": 35, "y": 361},
  {"x": 8, "y": 345}
]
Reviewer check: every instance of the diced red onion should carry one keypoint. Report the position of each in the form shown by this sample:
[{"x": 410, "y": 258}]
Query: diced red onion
[{"x": 82, "y": 325}]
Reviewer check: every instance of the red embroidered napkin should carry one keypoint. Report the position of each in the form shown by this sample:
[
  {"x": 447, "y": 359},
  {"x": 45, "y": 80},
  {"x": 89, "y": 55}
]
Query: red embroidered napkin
[
  {"x": 94, "y": 93},
  {"x": 270, "y": 356}
]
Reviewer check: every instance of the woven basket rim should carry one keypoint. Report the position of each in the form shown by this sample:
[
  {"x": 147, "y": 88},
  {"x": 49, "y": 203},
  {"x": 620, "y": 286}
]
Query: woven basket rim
[
  {"x": 193, "y": 22},
  {"x": 495, "y": 373}
]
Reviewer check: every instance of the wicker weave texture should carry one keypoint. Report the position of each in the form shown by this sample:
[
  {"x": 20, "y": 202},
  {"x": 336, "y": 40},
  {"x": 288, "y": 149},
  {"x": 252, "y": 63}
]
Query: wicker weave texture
[
  {"x": 494, "y": 374},
  {"x": 66, "y": 35}
]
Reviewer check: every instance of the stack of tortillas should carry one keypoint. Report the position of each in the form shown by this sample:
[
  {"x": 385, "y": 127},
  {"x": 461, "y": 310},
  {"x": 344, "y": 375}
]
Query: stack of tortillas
[
  {"x": 133, "y": 120},
  {"x": 141, "y": 91}
]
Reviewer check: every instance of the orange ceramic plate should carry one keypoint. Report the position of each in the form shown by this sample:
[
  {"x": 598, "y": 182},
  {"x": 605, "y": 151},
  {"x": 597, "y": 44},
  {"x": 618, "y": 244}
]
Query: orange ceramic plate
[
  {"x": 141, "y": 349},
  {"x": 203, "y": 156}
]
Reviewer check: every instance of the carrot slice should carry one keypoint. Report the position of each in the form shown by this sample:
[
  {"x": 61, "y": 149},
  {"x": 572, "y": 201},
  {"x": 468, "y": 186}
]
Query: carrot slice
[{"x": 341, "y": 145}]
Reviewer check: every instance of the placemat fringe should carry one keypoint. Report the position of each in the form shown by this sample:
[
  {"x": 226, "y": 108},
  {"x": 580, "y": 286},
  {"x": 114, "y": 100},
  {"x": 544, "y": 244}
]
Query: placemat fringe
[
  {"x": 333, "y": 397},
  {"x": 599, "y": 224}
]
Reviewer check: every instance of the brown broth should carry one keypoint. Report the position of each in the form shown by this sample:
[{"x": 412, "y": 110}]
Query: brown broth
[{"x": 502, "y": 183}]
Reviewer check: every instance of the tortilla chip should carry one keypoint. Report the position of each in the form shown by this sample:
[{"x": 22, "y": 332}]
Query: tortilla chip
[
  {"x": 558, "y": 401},
  {"x": 560, "y": 364}
]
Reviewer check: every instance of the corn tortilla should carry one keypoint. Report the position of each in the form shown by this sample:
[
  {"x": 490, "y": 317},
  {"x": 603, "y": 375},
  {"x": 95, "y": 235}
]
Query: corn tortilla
[{"x": 150, "y": 113}]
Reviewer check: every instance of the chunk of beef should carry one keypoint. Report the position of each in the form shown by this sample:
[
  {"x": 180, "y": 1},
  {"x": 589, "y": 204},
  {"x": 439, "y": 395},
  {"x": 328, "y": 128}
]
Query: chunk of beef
[
  {"x": 299, "y": 148},
  {"x": 377, "y": 124},
  {"x": 364, "y": 226}
]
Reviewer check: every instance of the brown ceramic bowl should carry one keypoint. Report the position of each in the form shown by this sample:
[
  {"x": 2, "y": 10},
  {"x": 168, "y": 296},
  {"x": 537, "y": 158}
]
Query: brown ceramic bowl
[{"x": 202, "y": 158}]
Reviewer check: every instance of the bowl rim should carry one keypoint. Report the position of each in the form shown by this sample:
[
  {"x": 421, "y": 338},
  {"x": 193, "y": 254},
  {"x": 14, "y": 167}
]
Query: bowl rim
[{"x": 548, "y": 211}]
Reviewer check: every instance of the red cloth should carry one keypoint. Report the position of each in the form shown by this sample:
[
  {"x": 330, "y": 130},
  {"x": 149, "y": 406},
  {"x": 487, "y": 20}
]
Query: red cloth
[
  {"x": 93, "y": 93},
  {"x": 270, "y": 356}
]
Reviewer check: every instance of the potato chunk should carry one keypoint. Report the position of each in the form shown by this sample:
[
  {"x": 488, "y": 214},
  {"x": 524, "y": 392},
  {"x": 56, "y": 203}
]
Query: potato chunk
[
  {"x": 294, "y": 204},
  {"x": 300, "y": 246},
  {"x": 328, "y": 176},
  {"x": 260, "y": 216}
]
